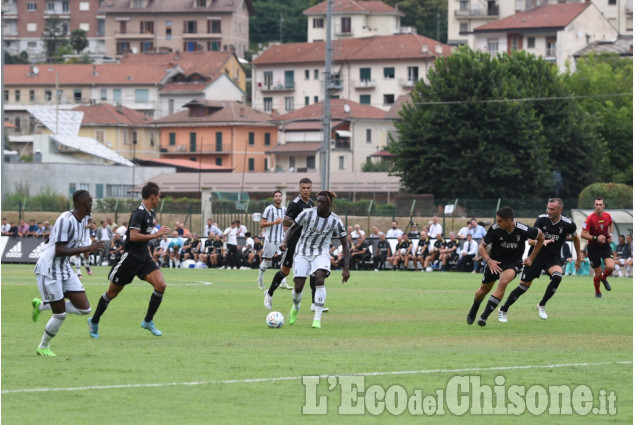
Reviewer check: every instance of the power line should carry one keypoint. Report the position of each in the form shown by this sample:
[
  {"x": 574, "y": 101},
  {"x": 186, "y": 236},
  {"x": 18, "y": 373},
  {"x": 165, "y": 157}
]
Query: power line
[{"x": 524, "y": 99}]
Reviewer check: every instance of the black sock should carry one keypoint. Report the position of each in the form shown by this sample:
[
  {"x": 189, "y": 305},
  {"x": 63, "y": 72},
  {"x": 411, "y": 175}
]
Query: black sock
[
  {"x": 491, "y": 306},
  {"x": 312, "y": 283},
  {"x": 102, "y": 305},
  {"x": 515, "y": 294},
  {"x": 556, "y": 278},
  {"x": 475, "y": 306},
  {"x": 277, "y": 279},
  {"x": 153, "y": 306}
]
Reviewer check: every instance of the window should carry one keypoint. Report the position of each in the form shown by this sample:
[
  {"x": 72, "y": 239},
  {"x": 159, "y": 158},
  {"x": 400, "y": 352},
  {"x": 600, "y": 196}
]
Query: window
[
  {"x": 289, "y": 80},
  {"x": 201, "y": 3},
  {"x": 219, "y": 141},
  {"x": 463, "y": 28},
  {"x": 71, "y": 188},
  {"x": 251, "y": 164},
  {"x": 364, "y": 74},
  {"x": 612, "y": 2},
  {"x": 268, "y": 103},
  {"x": 266, "y": 165},
  {"x": 141, "y": 95},
  {"x": 50, "y": 6},
  {"x": 346, "y": 25},
  {"x": 364, "y": 99},
  {"x": 413, "y": 74},
  {"x": 84, "y": 6},
  {"x": 125, "y": 136},
  {"x": 291, "y": 162},
  {"x": 190, "y": 46},
  {"x": 192, "y": 142},
  {"x": 551, "y": 47},
  {"x": 310, "y": 162},
  {"x": 100, "y": 136},
  {"x": 170, "y": 106},
  {"x": 48, "y": 95},
  {"x": 77, "y": 95},
  {"x": 135, "y": 137},
  {"x": 84, "y": 186},
  {"x": 66, "y": 9},
  {"x": 464, "y": 5},
  {"x": 123, "y": 27},
  {"x": 152, "y": 136},
  {"x": 31, "y": 96},
  {"x": 189, "y": 27},
  {"x": 268, "y": 79},
  {"x": 172, "y": 139},
  {"x": 119, "y": 191},
  {"x": 84, "y": 26},
  {"x": 168, "y": 30},
  {"x": 531, "y": 42},
  {"x": 219, "y": 161},
  {"x": 267, "y": 139},
  {"x": 389, "y": 99},
  {"x": 146, "y": 46},
  {"x": 492, "y": 47},
  {"x": 146, "y": 27},
  {"x": 213, "y": 26},
  {"x": 123, "y": 47},
  {"x": 288, "y": 103},
  {"x": 307, "y": 100},
  {"x": 18, "y": 124},
  {"x": 316, "y": 74},
  {"x": 252, "y": 138},
  {"x": 307, "y": 74},
  {"x": 137, "y": 4},
  {"x": 17, "y": 95},
  {"x": 389, "y": 73},
  {"x": 369, "y": 135},
  {"x": 31, "y": 27},
  {"x": 213, "y": 46},
  {"x": 316, "y": 99},
  {"x": 31, "y": 124},
  {"x": 30, "y": 6},
  {"x": 515, "y": 42},
  {"x": 341, "y": 162},
  {"x": 101, "y": 27}
]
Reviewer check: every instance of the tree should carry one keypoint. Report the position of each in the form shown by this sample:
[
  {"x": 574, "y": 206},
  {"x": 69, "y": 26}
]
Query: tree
[
  {"x": 266, "y": 27},
  {"x": 474, "y": 132},
  {"x": 78, "y": 40},
  {"x": 606, "y": 82},
  {"x": 62, "y": 49},
  {"x": 425, "y": 15},
  {"x": 53, "y": 35},
  {"x": 10, "y": 59}
]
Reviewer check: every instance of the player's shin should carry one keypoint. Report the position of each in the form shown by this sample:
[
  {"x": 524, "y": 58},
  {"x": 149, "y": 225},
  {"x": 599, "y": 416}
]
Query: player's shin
[
  {"x": 556, "y": 278},
  {"x": 515, "y": 294}
]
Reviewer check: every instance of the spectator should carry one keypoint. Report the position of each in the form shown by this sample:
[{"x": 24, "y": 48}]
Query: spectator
[
  {"x": 565, "y": 252},
  {"x": 174, "y": 247},
  {"x": 340, "y": 256},
  {"x": 40, "y": 230},
  {"x": 622, "y": 254},
  {"x": 333, "y": 253},
  {"x": 467, "y": 254},
  {"x": 161, "y": 252},
  {"x": 585, "y": 266},
  {"x": 180, "y": 230},
  {"x": 394, "y": 232},
  {"x": 196, "y": 243},
  {"x": 382, "y": 252},
  {"x": 231, "y": 234},
  {"x": 155, "y": 226},
  {"x": 463, "y": 231},
  {"x": 13, "y": 231},
  {"x": 33, "y": 228},
  {"x": 255, "y": 256},
  {"x": 435, "y": 253},
  {"x": 349, "y": 230},
  {"x": 422, "y": 251},
  {"x": 185, "y": 253},
  {"x": 359, "y": 253},
  {"x": 121, "y": 230},
  {"x": 104, "y": 233},
  {"x": 212, "y": 227},
  {"x": 449, "y": 253},
  {"x": 115, "y": 250},
  {"x": 23, "y": 229},
  {"x": 246, "y": 250},
  {"x": 403, "y": 252},
  {"x": 374, "y": 234},
  {"x": 6, "y": 227},
  {"x": 414, "y": 233},
  {"x": 435, "y": 228},
  {"x": 357, "y": 232},
  {"x": 242, "y": 230},
  {"x": 477, "y": 231}
]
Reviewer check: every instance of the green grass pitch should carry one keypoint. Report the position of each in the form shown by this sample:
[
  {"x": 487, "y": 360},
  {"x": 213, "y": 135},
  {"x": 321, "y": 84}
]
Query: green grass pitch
[{"x": 217, "y": 362}]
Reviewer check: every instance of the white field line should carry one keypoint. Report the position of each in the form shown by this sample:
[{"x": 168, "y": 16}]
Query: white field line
[{"x": 292, "y": 378}]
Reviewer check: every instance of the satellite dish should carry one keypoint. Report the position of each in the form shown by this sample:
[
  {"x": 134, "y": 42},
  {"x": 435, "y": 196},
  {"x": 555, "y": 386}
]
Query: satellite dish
[
  {"x": 36, "y": 70},
  {"x": 133, "y": 50},
  {"x": 347, "y": 108}
]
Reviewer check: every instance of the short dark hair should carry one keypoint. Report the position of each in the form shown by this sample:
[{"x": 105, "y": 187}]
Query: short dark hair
[
  {"x": 248, "y": 234},
  {"x": 274, "y": 193},
  {"x": 149, "y": 189},
  {"x": 79, "y": 194},
  {"x": 599, "y": 198},
  {"x": 506, "y": 213},
  {"x": 329, "y": 195},
  {"x": 556, "y": 200},
  {"x": 306, "y": 180}
]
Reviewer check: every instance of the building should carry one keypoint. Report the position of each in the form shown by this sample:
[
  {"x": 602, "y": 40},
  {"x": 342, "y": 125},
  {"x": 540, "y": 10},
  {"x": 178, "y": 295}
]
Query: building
[
  {"x": 176, "y": 25},
  {"x": 372, "y": 71},
  {"x": 222, "y": 133},
  {"x": 24, "y": 22},
  {"x": 466, "y": 15},
  {"x": 354, "y": 19},
  {"x": 554, "y": 31},
  {"x": 357, "y": 132}
]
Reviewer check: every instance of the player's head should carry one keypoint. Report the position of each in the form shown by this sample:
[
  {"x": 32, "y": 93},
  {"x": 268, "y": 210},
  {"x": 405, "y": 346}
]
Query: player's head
[
  {"x": 82, "y": 201},
  {"x": 598, "y": 205},
  {"x": 554, "y": 208},
  {"x": 306, "y": 185},
  {"x": 325, "y": 201},
  {"x": 505, "y": 218},
  {"x": 277, "y": 197},
  {"x": 151, "y": 191}
]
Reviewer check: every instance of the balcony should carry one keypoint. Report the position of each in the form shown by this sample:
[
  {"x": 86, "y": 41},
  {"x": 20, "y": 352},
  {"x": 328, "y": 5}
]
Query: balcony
[
  {"x": 207, "y": 149},
  {"x": 364, "y": 84},
  {"x": 290, "y": 86},
  {"x": 478, "y": 12},
  {"x": 135, "y": 36},
  {"x": 407, "y": 82},
  {"x": 203, "y": 36}
]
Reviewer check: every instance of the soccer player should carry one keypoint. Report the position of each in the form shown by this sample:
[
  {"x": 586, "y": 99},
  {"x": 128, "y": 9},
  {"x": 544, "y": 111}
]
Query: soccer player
[
  {"x": 55, "y": 277},
  {"x": 598, "y": 230},
  {"x": 555, "y": 228},
  {"x": 507, "y": 239},
  {"x": 136, "y": 260},
  {"x": 312, "y": 256},
  {"x": 271, "y": 223},
  {"x": 299, "y": 204}
]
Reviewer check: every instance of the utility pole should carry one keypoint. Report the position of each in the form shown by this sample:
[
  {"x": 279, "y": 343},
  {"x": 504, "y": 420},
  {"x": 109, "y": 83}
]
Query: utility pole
[
  {"x": 438, "y": 24},
  {"x": 281, "y": 22},
  {"x": 325, "y": 152}
]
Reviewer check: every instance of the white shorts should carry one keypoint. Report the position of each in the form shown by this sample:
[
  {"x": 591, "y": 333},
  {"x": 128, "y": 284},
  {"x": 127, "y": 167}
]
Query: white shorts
[
  {"x": 54, "y": 289},
  {"x": 269, "y": 250},
  {"x": 304, "y": 265}
]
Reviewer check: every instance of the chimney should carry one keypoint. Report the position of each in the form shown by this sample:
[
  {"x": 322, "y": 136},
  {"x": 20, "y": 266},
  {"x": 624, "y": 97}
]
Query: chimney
[
  {"x": 95, "y": 71},
  {"x": 438, "y": 49},
  {"x": 424, "y": 48}
]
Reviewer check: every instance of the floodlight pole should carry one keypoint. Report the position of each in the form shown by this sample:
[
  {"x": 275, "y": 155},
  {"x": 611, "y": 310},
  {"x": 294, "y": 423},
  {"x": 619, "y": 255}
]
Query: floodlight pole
[{"x": 325, "y": 152}]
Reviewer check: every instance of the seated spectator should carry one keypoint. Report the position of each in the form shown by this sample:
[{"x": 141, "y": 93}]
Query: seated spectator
[
  {"x": 349, "y": 230},
  {"x": 359, "y": 253},
  {"x": 212, "y": 227},
  {"x": 196, "y": 246},
  {"x": 333, "y": 253},
  {"x": 23, "y": 229},
  {"x": 422, "y": 251},
  {"x": 121, "y": 230},
  {"x": 467, "y": 254},
  {"x": 435, "y": 228},
  {"x": 160, "y": 254},
  {"x": 374, "y": 234},
  {"x": 340, "y": 256},
  {"x": 186, "y": 248},
  {"x": 40, "y": 230},
  {"x": 382, "y": 253},
  {"x": 255, "y": 256},
  {"x": 33, "y": 228},
  {"x": 414, "y": 233},
  {"x": 115, "y": 250},
  {"x": 463, "y": 231},
  {"x": 357, "y": 231},
  {"x": 435, "y": 253},
  {"x": 6, "y": 227},
  {"x": 449, "y": 253},
  {"x": 245, "y": 251},
  {"x": 13, "y": 230},
  {"x": 180, "y": 230},
  {"x": 477, "y": 231},
  {"x": 565, "y": 252},
  {"x": 394, "y": 231},
  {"x": 392, "y": 259},
  {"x": 585, "y": 266},
  {"x": 403, "y": 252},
  {"x": 174, "y": 247}
]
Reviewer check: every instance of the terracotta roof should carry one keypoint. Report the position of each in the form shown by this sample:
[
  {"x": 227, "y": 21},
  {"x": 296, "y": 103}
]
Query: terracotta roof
[
  {"x": 184, "y": 87},
  {"x": 545, "y": 16},
  {"x": 7, "y": 124},
  {"x": 227, "y": 111},
  {"x": 316, "y": 112},
  {"x": 208, "y": 64},
  {"x": 84, "y": 74},
  {"x": 382, "y": 153},
  {"x": 176, "y": 6},
  {"x": 387, "y": 47},
  {"x": 395, "y": 109},
  {"x": 311, "y": 125},
  {"x": 354, "y": 7},
  {"x": 183, "y": 165},
  {"x": 296, "y": 147},
  {"x": 107, "y": 114},
  {"x": 623, "y": 46}
]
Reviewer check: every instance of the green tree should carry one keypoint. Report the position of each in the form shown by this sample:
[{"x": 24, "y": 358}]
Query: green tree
[
  {"x": 21, "y": 58},
  {"x": 267, "y": 24},
  {"x": 473, "y": 131},
  {"x": 427, "y": 16},
  {"x": 53, "y": 35},
  {"x": 78, "y": 40},
  {"x": 606, "y": 82},
  {"x": 62, "y": 49}
]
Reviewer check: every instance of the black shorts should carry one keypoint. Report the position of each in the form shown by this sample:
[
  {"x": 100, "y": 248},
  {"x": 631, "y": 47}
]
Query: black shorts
[
  {"x": 533, "y": 272},
  {"x": 489, "y": 277},
  {"x": 128, "y": 267},
  {"x": 598, "y": 253}
]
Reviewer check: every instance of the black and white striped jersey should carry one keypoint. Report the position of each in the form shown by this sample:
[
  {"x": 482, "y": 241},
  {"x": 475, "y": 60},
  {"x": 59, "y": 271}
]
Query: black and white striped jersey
[
  {"x": 317, "y": 232},
  {"x": 275, "y": 233},
  {"x": 69, "y": 231}
]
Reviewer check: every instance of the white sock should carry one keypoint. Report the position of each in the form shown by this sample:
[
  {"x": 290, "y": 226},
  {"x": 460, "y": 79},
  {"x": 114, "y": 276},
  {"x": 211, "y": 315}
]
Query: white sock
[
  {"x": 71, "y": 309},
  {"x": 296, "y": 299},
  {"x": 51, "y": 329},
  {"x": 44, "y": 306},
  {"x": 320, "y": 298},
  {"x": 264, "y": 265}
]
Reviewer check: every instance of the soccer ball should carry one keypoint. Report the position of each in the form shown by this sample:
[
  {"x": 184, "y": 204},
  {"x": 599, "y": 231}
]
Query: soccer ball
[
  {"x": 275, "y": 319},
  {"x": 403, "y": 251}
]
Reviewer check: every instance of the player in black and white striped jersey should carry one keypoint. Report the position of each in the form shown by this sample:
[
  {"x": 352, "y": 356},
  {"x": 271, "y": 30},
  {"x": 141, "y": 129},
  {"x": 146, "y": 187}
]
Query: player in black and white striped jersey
[
  {"x": 55, "y": 278},
  {"x": 271, "y": 221},
  {"x": 312, "y": 255}
]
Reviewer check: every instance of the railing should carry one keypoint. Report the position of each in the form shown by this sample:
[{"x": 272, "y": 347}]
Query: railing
[
  {"x": 361, "y": 84},
  {"x": 276, "y": 88}
]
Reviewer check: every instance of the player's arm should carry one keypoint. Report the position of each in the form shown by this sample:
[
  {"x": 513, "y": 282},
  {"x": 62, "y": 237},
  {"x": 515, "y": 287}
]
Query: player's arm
[
  {"x": 346, "y": 255},
  {"x": 61, "y": 250},
  {"x": 539, "y": 243},
  {"x": 264, "y": 223},
  {"x": 576, "y": 246},
  {"x": 137, "y": 236},
  {"x": 491, "y": 263},
  {"x": 288, "y": 233}
]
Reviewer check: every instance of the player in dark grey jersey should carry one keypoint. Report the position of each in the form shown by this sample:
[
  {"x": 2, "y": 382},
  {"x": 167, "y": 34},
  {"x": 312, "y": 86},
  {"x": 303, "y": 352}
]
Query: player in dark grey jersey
[
  {"x": 555, "y": 227},
  {"x": 136, "y": 260},
  {"x": 507, "y": 239}
]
